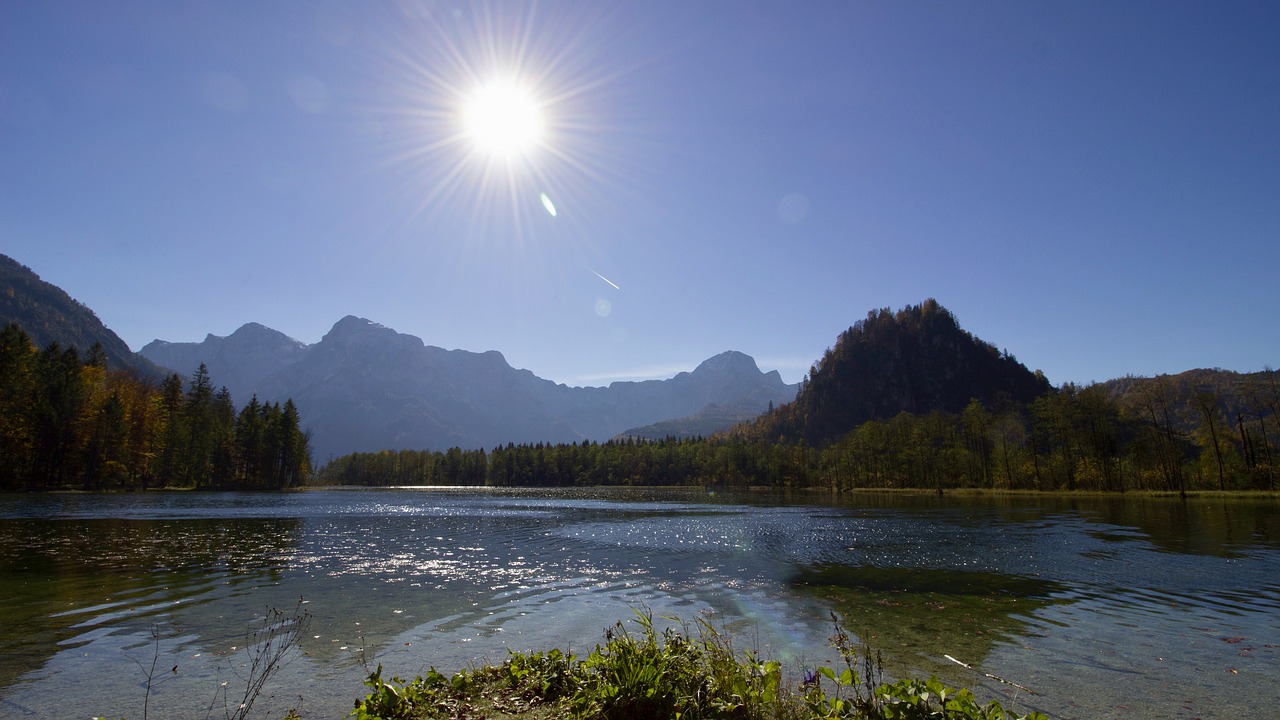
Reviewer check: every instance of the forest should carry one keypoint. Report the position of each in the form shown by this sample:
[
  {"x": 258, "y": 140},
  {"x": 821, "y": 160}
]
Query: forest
[
  {"x": 68, "y": 422},
  {"x": 908, "y": 399},
  {"x": 904, "y": 399},
  {"x": 1159, "y": 435}
]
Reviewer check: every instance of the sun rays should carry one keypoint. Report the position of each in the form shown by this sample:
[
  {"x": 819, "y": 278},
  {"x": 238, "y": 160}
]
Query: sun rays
[
  {"x": 503, "y": 119},
  {"x": 494, "y": 108}
]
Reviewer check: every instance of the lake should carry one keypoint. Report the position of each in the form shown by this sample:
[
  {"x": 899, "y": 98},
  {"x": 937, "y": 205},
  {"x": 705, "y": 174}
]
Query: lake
[{"x": 1105, "y": 607}]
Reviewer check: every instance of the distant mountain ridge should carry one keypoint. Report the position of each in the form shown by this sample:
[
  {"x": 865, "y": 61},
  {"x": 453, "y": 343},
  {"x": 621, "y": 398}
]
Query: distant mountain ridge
[
  {"x": 702, "y": 424},
  {"x": 240, "y": 361},
  {"x": 365, "y": 387},
  {"x": 48, "y": 314}
]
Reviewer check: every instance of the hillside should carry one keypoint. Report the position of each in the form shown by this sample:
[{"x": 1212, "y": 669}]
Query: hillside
[
  {"x": 916, "y": 360},
  {"x": 705, "y": 423},
  {"x": 48, "y": 314},
  {"x": 1237, "y": 400},
  {"x": 240, "y": 361}
]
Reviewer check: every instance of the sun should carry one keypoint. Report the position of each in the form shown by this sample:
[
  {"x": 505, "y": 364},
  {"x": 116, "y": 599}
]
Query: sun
[
  {"x": 511, "y": 113},
  {"x": 503, "y": 120}
]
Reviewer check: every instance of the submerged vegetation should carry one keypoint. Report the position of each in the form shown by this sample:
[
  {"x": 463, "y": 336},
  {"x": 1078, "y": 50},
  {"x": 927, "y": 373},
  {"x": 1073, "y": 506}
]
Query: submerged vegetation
[{"x": 680, "y": 674}]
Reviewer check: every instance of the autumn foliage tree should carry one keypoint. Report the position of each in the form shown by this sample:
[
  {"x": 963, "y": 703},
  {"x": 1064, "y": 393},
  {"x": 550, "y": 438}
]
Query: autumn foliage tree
[{"x": 68, "y": 422}]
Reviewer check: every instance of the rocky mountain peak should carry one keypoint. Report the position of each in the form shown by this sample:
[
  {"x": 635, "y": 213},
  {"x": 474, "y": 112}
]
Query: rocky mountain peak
[
  {"x": 365, "y": 387},
  {"x": 731, "y": 363},
  {"x": 352, "y": 327},
  {"x": 362, "y": 331}
]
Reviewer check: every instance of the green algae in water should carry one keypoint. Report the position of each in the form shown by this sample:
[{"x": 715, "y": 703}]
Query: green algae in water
[{"x": 916, "y": 616}]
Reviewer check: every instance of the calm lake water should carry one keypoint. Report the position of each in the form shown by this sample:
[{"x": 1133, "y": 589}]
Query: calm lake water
[{"x": 1106, "y": 607}]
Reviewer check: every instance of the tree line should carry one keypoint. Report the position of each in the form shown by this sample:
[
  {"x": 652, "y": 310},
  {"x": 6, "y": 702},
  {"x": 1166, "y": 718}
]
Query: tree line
[
  {"x": 1073, "y": 438},
  {"x": 68, "y": 422},
  {"x": 623, "y": 462},
  {"x": 1157, "y": 435}
]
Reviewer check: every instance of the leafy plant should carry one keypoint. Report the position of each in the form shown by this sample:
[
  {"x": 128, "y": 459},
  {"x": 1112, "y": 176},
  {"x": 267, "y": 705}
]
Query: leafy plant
[{"x": 683, "y": 674}]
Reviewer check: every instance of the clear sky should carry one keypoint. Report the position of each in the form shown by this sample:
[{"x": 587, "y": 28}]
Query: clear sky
[{"x": 1093, "y": 186}]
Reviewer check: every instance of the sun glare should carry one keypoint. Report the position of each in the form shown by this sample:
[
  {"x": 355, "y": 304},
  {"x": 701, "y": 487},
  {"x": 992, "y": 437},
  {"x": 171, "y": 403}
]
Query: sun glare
[
  {"x": 499, "y": 108},
  {"x": 503, "y": 120}
]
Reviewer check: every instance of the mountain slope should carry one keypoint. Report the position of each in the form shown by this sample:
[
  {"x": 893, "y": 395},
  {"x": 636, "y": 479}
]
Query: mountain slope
[
  {"x": 240, "y": 360},
  {"x": 916, "y": 360},
  {"x": 48, "y": 314},
  {"x": 704, "y": 423},
  {"x": 365, "y": 387},
  {"x": 1243, "y": 402}
]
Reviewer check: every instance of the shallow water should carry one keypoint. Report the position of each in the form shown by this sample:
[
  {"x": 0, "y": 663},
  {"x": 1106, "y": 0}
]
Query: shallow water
[{"x": 1106, "y": 607}]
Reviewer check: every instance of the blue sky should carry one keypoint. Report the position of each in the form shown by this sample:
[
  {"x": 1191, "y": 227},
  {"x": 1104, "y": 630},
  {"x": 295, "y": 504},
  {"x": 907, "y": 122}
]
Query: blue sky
[{"x": 1093, "y": 186}]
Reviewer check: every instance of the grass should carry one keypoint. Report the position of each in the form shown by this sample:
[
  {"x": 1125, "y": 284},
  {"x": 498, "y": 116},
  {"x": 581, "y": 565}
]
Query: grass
[{"x": 693, "y": 673}]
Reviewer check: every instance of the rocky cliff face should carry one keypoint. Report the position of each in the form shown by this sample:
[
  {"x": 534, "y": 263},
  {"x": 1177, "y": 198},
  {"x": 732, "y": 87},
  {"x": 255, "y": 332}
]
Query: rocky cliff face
[
  {"x": 239, "y": 361},
  {"x": 366, "y": 387}
]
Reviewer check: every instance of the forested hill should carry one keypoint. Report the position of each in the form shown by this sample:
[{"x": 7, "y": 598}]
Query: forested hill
[
  {"x": 916, "y": 360},
  {"x": 48, "y": 314},
  {"x": 1189, "y": 400}
]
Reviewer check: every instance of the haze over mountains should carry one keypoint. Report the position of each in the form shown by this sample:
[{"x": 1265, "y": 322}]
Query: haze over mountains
[{"x": 365, "y": 387}]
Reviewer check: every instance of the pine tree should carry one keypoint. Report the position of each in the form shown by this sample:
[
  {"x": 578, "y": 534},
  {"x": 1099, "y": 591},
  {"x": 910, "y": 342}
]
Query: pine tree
[
  {"x": 172, "y": 464},
  {"x": 17, "y": 407},
  {"x": 58, "y": 408}
]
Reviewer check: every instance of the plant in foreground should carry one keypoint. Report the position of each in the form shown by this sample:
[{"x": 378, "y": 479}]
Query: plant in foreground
[
  {"x": 681, "y": 675},
  {"x": 268, "y": 649}
]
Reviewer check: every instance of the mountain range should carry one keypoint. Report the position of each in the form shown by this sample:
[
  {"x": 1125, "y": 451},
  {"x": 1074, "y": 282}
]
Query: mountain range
[{"x": 365, "y": 387}]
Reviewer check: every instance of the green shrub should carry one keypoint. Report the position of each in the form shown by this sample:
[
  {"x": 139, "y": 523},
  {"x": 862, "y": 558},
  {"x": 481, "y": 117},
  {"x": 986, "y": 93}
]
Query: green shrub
[{"x": 681, "y": 675}]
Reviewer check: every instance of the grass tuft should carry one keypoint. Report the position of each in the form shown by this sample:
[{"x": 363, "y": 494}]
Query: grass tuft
[{"x": 693, "y": 673}]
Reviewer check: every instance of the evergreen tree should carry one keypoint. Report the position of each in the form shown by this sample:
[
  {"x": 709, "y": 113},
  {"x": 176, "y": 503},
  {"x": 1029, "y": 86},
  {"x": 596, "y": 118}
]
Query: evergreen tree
[
  {"x": 66, "y": 423},
  {"x": 197, "y": 413},
  {"x": 294, "y": 462},
  {"x": 58, "y": 408},
  {"x": 17, "y": 407},
  {"x": 223, "y": 463},
  {"x": 250, "y": 430},
  {"x": 106, "y": 455},
  {"x": 172, "y": 466}
]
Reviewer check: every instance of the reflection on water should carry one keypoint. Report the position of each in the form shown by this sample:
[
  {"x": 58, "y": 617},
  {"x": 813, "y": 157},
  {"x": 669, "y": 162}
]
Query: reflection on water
[
  {"x": 69, "y": 582},
  {"x": 1091, "y": 601}
]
